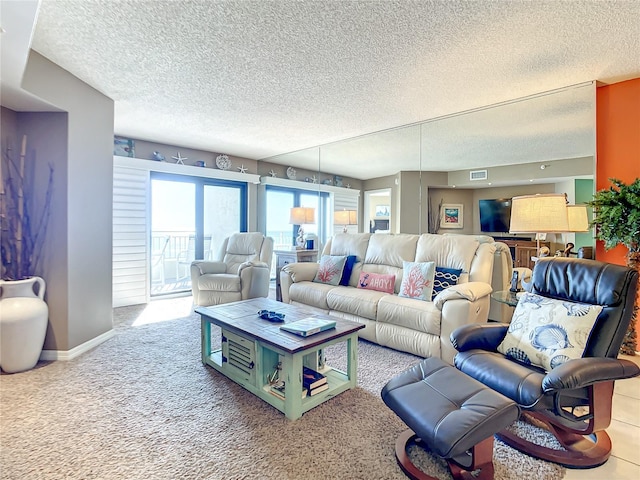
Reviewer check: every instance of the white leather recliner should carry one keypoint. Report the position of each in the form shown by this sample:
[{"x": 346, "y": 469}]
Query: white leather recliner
[{"x": 241, "y": 270}]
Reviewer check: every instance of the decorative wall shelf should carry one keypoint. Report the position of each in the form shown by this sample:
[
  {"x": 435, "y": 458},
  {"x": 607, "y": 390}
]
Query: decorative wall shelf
[
  {"x": 313, "y": 187},
  {"x": 155, "y": 166}
]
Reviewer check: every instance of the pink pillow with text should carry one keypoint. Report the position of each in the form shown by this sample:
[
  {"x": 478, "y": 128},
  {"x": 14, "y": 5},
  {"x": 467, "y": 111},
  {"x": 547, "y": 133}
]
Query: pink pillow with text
[{"x": 377, "y": 281}]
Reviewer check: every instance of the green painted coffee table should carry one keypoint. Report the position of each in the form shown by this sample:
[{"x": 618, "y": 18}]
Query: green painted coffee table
[{"x": 252, "y": 349}]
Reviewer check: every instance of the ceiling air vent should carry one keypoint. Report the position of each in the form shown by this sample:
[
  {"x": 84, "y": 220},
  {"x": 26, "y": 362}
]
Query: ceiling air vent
[{"x": 478, "y": 175}]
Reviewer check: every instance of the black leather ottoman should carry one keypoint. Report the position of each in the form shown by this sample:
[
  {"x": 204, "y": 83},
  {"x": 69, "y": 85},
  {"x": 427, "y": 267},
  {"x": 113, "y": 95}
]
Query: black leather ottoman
[{"x": 452, "y": 413}]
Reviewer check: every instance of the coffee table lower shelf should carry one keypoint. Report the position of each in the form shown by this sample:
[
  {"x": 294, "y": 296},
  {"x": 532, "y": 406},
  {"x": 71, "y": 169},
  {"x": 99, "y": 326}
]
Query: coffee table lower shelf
[{"x": 248, "y": 362}]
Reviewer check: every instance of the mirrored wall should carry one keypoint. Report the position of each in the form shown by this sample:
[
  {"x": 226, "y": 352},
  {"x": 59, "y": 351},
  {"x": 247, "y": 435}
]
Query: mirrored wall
[{"x": 520, "y": 146}]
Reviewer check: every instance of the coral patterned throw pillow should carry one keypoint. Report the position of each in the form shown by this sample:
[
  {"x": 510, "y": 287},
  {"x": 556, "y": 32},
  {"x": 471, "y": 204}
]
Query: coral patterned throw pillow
[
  {"x": 417, "y": 280},
  {"x": 330, "y": 269}
]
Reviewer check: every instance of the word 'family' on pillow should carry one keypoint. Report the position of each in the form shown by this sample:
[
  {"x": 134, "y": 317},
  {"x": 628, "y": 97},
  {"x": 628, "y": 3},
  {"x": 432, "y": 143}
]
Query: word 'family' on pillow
[
  {"x": 377, "y": 281},
  {"x": 546, "y": 332},
  {"x": 444, "y": 278},
  {"x": 417, "y": 280},
  {"x": 348, "y": 268},
  {"x": 330, "y": 269}
]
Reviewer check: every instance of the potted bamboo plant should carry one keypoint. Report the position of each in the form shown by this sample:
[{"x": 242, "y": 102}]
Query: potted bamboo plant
[
  {"x": 23, "y": 312},
  {"x": 617, "y": 222}
]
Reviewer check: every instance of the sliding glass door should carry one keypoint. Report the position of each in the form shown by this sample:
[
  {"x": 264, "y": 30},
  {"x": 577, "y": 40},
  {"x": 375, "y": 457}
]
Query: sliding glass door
[
  {"x": 190, "y": 218},
  {"x": 280, "y": 201}
]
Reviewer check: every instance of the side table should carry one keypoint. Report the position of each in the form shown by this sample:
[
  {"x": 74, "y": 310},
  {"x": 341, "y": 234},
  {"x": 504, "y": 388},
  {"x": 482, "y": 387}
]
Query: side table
[
  {"x": 506, "y": 296},
  {"x": 285, "y": 257}
]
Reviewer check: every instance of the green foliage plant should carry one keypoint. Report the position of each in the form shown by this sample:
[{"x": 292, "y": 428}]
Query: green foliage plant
[
  {"x": 617, "y": 215},
  {"x": 617, "y": 222}
]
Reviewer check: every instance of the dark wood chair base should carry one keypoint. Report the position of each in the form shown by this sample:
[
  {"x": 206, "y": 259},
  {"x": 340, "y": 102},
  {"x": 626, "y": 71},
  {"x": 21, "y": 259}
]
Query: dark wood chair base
[
  {"x": 582, "y": 451},
  {"x": 481, "y": 459}
]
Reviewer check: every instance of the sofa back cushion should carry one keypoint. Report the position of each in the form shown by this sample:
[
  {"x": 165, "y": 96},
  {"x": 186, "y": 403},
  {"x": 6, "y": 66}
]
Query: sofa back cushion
[
  {"x": 455, "y": 252},
  {"x": 386, "y": 254},
  {"x": 498, "y": 273},
  {"x": 349, "y": 244}
]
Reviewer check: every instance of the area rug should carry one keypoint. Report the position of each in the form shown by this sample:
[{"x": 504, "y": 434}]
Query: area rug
[{"x": 143, "y": 406}]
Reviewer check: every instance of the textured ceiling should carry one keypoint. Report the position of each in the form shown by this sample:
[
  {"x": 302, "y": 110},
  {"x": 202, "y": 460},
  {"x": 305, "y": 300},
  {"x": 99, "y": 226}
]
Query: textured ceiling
[{"x": 261, "y": 78}]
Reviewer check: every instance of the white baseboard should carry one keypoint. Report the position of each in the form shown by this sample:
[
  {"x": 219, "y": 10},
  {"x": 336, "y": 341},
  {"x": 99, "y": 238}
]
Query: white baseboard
[{"x": 49, "y": 355}]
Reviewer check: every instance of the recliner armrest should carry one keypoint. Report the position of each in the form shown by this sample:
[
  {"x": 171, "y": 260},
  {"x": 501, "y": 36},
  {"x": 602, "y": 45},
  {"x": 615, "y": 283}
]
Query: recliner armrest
[
  {"x": 486, "y": 336},
  {"x": 206, "y": 267},
  {"x": 252, "y": 264},
  {"x": 301, "y": 271},
  {"x": 471, "y": 291},
  {"x": 583, "y": 372}
]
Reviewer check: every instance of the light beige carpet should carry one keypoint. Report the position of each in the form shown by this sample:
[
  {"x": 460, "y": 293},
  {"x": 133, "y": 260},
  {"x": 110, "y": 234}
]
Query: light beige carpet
[{"x": 142, "y": 406}]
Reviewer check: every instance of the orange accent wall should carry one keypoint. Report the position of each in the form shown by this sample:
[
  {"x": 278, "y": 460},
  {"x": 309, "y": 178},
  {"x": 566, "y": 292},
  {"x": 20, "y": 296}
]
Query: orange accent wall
[
  {"x": 618, "y": 147},
  {"x": 617, "y": 144}
]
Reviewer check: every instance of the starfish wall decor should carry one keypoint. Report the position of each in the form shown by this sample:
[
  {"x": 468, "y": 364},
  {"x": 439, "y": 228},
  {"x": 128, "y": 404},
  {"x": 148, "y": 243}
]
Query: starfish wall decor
[{"x": 179, "y": 159}]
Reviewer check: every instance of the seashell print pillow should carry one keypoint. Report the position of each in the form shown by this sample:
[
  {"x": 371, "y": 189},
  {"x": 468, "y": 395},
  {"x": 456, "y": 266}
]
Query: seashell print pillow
[{"x": 547, "y": 332}]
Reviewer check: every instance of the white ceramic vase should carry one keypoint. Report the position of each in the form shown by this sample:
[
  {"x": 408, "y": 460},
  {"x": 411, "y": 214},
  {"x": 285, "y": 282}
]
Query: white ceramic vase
[{"x": 23, "y": 323}]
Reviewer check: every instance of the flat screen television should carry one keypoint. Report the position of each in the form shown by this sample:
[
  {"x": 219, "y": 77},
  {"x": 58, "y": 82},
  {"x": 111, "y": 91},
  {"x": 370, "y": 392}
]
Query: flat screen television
[{"x": 495, "y": 215}]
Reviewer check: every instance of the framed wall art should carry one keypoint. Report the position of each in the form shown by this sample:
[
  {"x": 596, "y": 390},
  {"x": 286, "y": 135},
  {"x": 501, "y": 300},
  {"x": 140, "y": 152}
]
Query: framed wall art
[
  {"x": 382, "y": 211},
  {"x": 451, "y": 215}
]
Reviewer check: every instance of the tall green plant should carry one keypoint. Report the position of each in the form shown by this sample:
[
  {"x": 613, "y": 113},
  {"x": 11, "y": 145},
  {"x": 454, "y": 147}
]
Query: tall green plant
[
  {"x": 23, "y": 225},
  {"x": 617, "y": 221}
]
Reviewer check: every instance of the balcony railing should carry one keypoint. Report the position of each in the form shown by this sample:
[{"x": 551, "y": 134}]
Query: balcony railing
[
  {"x": 171, "y": 256},
  {"x": 173, "y": 251}
]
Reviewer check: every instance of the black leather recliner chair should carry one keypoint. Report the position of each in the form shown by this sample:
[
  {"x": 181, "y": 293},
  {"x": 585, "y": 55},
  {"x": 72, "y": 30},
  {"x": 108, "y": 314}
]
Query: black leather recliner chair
[{"x": 573, "y": 399}]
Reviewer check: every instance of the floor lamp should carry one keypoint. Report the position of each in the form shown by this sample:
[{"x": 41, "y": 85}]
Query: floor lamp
[{"x": 543, "y": 213}]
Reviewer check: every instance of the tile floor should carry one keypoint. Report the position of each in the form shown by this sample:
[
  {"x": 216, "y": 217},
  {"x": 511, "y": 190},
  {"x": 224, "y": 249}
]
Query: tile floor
[{"x": 624, "y": 463}]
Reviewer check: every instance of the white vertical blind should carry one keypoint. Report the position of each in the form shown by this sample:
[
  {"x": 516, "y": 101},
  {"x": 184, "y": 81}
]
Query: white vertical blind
[{"x": 130, "y": 235}]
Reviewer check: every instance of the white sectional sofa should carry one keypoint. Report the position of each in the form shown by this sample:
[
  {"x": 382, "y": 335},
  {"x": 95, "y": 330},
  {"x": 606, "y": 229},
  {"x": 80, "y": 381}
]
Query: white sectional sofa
[{"x": 406, "y": 324}]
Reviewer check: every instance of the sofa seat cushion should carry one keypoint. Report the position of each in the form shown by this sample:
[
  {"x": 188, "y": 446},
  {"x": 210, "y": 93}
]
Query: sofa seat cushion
[
  {"x": 410, "y": 313},
  {"x": 355, "y": 301},
  {"x": 220, "y": 282},
  {"x": 310, "y": 293}
]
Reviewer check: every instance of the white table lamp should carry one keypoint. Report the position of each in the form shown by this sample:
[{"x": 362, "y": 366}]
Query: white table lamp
[
  {"x": 302, "y": 216},
  {"x": 346, "y": 218},
  {"x": 543, "y": 213}
]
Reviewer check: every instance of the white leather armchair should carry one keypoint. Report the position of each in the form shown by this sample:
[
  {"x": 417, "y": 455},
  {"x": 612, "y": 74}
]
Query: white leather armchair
[{"x": 240, "y": 271}]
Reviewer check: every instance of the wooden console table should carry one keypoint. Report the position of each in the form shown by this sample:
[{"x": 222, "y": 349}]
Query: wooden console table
[{"x": 285, "y": 257}]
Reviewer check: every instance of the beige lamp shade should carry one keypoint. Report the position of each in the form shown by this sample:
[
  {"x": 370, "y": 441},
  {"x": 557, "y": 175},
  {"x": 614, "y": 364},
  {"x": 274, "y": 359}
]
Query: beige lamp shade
[
  {"x": 544, "y": 213},
  {"x": 345, "y": 217},
  {"x": 302, "y": 216},
  {"x": 578, "y": 220}
]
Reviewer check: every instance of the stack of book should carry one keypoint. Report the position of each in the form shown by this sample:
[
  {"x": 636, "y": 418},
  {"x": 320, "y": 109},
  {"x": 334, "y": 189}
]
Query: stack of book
[
  {"x": 313, "y": 382},
  {"x": 277, "y": 389}
]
